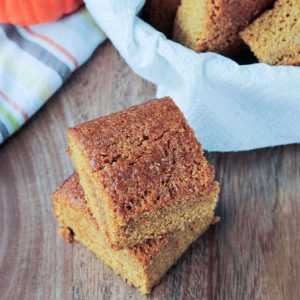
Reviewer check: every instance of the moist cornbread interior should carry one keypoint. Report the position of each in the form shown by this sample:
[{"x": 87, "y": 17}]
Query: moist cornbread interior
[
  {"x": 142, "y": 265},
  {"x": 274, "y": 37},
  {"x": 214, "y": 25},
  {"x": 143, "y": 171}
]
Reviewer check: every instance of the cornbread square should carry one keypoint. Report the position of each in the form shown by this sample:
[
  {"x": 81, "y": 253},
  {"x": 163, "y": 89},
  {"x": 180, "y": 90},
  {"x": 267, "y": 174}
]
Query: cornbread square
[
  {"x": 143, "y": 171},
  {"x": 214, "y": 25},
  {"x": 142, "y": 265},
  {"x": 274, "y": 37}
]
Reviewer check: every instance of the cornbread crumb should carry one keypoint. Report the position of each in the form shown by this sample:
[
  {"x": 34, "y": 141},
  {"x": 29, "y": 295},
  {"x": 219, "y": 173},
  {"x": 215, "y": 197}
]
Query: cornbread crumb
[
  {"x": 215, "y": 220},
  {"x": 214, "y": 25},
  {"x": 142, "y": 265},
  {"x": 143, "y": 170},
  {"x": 274, "y": 37},
  {"x": 66, "y": 234}
]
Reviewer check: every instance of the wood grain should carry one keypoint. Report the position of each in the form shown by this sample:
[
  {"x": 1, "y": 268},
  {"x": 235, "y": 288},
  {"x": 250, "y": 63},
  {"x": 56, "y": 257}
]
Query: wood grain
[{"x": 252, "y": 254}]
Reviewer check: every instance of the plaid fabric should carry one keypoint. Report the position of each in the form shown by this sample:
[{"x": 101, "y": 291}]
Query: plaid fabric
[{"x": 36, "y": 60}]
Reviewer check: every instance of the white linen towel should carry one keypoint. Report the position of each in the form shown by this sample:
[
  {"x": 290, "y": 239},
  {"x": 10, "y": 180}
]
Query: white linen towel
[{"x": 231, "y": 107}]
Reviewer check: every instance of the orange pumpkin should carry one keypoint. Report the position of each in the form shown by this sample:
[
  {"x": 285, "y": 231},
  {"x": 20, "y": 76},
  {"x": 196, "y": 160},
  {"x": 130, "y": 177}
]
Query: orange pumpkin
[{"x": 28, "y": 12}]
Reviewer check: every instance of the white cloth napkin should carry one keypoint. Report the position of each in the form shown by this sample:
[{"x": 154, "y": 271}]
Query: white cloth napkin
[{"x": 231, "y": 107}]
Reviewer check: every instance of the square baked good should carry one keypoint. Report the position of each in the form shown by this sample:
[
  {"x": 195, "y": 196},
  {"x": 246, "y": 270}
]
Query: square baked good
[
  {"x": 142, "y": 265},
  {"x": 274, "y": 37},
  {"x": 142, "y": 171},
  {"x": 214, "y": 25}
]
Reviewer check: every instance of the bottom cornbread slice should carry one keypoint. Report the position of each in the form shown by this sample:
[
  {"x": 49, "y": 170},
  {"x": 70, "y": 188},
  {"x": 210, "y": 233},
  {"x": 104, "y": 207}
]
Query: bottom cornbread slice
[{"x": 142, "y": 265}]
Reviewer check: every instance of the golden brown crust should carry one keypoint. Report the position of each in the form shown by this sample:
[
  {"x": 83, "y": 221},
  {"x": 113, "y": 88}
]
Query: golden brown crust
[
  {"x": 71, "y": 192},
  {"x": 145, "y": 157}
]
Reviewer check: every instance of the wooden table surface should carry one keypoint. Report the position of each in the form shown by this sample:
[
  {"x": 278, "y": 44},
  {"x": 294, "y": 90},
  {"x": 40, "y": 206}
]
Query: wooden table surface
[{"x": 253, "y": 253}]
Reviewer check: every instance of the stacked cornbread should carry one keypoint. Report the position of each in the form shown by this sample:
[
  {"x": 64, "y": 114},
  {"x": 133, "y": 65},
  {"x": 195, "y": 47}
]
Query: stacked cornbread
[{"x": 143, "y": 191}]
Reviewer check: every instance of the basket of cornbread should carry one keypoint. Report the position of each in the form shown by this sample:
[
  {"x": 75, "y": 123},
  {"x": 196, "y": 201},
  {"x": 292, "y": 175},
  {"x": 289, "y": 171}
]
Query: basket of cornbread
[
  {"x": 268, "y": 27},
  {"x": 142, "y": 192},
  {"x": 198, "y": 53}
]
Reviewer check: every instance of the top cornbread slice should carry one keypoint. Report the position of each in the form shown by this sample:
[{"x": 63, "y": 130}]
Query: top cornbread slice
[
  {"x": 143, "y": 170},
  {"x": 275, "y": 36}
]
